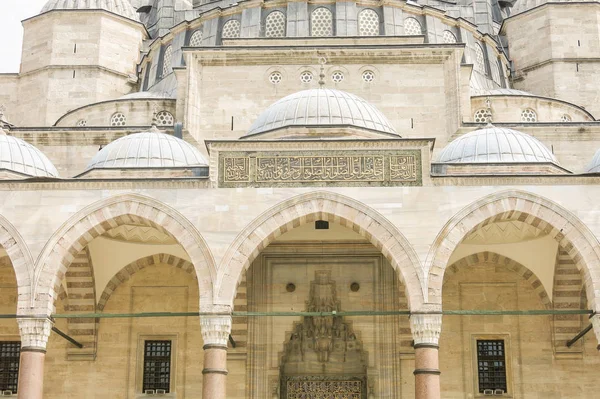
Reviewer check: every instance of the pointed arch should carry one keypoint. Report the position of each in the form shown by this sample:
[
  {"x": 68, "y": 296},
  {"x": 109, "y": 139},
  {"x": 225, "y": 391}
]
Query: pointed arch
[
  {"x": 509, "y": 264},
  {"x": 20, "y": 259},
  {"x": 570, "y": 232},
  {"x": 95, "y": 220},
  {"x": 307, "y": 208},
  {"x": 127, "y": 271}
]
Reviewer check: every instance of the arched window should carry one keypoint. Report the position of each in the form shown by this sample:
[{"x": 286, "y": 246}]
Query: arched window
[
  {"x": 81, "y": 123},
  {"x": 321, "y": 22},
  {"x": 528, "y": 115},
  {"x": 480, "y": 116},
  {"x": 118, "y": 119},
  {"x": 275, "y": 24},
  {"x": 167, "y": 59},
  {"x": 196, "y": 39},
  {"x": 449, "y": 37},
  {"x": 368, "y": 23},
  {"x": 165, "y": 118},
  {"x": 479, "y": 59},
  {"x": 412, "y": 27},
  {"x": 566, "y": 118},
  {"x": 231, "y": 29}
]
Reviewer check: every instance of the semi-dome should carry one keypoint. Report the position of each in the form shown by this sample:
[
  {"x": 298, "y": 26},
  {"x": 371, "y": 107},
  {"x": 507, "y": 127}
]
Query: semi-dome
[
  {"x": 321, "y": 107},
  {"x": 494, "y": 144},
  {"x": 119, "y": 7},
  {"x": 526, "y": 5},
  {"x": 145, "y": 95},
  {"x": 502, "y": 92},
  {"x": 594, "y": 166},
  {"x": 19, "y": 156},
  {"x": 147, "y": 150}
]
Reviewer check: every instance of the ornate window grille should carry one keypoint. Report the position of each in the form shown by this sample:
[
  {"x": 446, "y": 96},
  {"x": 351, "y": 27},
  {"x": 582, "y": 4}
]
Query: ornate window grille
[
  {"x": 491, "y": 366},
  {"x": 449, "y": 37},
  {"x": 10, "y": 352},
  {"x": 528, "y": 115},
  {"x": 480, "y": 116},
  {"x": 412, "y": 27},
  {"x": 321, "y": 22},
  {"x": 479, "y": 59},
  {"x": 368, "y": 23},
  {"x": 165, "y": 118},
  {"x": 157, "y": 366},
  {"x": 118, "y": 119},
  {"x": 231, "y": 29},
  {"x": 275, "y": 24},
  {"x": 167, "y": 59},
  {"x": 196, "y": 39}
]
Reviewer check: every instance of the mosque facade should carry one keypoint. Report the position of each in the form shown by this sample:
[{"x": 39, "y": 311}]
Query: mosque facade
[{"x": 370, "y": 199}]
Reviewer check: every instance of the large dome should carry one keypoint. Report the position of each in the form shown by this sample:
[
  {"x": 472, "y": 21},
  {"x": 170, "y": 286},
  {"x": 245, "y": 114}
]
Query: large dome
[
  {"x": 494, "y": 144},
  {"x": 526, "y": 5},
  {"x": 321, "y": 107},
  {"x": 119, "y": 7},
  {"x": 147, "y": 150},
  {"x": 21, "y": 157}
]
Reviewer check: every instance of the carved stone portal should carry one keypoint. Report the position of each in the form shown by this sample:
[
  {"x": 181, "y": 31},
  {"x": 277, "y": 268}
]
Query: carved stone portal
[{"x": 323, "y": 357}]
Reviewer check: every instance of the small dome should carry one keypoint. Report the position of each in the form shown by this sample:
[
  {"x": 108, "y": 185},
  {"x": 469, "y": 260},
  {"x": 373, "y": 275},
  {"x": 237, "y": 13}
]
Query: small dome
[
  {"x": 494, "y": 144},
  {"x": 147, "y": 150},
  {"x": 594, "y": 166},
  {"x": 119, "y": 7},
  {"x": 526, "y": 5},
  {"x": 20, "y": 156},
  {"x": 321, "y": 106}
]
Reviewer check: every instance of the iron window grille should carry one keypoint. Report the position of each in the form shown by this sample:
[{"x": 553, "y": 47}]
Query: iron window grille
[
  {"x": 10, "y": 353},
  {"x": 157, "y": 366},
  {"x": 491, "y": 365}
]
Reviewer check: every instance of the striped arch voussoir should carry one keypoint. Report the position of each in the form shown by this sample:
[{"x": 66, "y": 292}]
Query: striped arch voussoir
[
  {"x": 509, "y": 264},
  {"x": 125, "y": 273},
  {"x": 308, "y": 208}
]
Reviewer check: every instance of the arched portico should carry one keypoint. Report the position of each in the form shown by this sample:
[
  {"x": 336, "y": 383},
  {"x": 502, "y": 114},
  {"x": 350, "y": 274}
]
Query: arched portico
[
  {"x": 307, "y": 208},
  {"x": 557, "y": 222},
  {"x": 20, "y": 258}
]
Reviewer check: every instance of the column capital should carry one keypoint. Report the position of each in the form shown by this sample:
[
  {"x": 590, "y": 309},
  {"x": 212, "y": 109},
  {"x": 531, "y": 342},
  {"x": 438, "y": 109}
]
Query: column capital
[
  {"x": 215, "y": 330},
  {"x": 596, "y": 325},
  {"x": 426, "y": 328},
  {"x": 35, "y": 332}
]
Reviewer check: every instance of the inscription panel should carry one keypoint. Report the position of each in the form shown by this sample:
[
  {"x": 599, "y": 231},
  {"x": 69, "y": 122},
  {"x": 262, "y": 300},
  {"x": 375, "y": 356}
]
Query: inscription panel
[
  {"x": 320, "y": 168},
  {"x": 322, "y": 387}
]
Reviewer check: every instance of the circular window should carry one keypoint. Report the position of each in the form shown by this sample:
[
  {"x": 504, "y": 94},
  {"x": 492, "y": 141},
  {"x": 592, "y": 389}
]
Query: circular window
[
  {"x": 565, "y": 118},
  {"x": 165, "y": 118},
  {"x": 81, "y": 123},
  {"x": 337, "y": 76},
  {"x": 528, "y": 115},
  {"x": 275, "y": 78},
  {"x": 118, "y": 119},
  {"x": 290, "y": 287},
  {"x": 354, "y": 287},
  {"x": 368, "y": 76},
  {"x": 306, "y": 77},
  {"x": 480, "y": 116}
]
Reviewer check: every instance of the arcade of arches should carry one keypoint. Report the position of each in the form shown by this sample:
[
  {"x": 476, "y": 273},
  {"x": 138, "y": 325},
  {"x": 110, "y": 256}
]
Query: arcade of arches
[{"x": 314, "y": 252}]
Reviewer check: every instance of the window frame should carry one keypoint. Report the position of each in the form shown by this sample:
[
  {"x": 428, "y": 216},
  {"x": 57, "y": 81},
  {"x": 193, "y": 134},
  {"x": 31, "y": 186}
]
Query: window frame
[
  {"x": 13, "y": 339},
  {"x": 507, "y": 358},
  {"x": 141, "y": 346}
]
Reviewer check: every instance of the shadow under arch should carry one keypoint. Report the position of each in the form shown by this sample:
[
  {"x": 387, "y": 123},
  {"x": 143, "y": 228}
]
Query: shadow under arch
[
  {"x": 140, "y": 264},
  {"x": 570, "y": 232},
  {"x": 509, "y": 264},
  {"x": 94, "y": 220},
  {"x": 307, "y": 208},
  {"x": 20, "y": 258}
]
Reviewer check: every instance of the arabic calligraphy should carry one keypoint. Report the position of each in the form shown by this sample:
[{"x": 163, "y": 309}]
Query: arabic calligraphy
[
  {"x": 320, "y": 168},
  {"x": 403, "y": 168},
  {"x": 324, "y": 390},
  {"x": 237, "y": 169}
]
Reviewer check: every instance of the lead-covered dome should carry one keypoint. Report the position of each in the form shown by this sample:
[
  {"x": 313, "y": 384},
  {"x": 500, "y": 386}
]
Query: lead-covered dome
[
  {"x": 495, "y": 144},
  {"x": 321, "y": 107},
  {"x": 147, "y": 150},
  {"x": 19, "y": 156},
  {"x": 119, "y": 7}
]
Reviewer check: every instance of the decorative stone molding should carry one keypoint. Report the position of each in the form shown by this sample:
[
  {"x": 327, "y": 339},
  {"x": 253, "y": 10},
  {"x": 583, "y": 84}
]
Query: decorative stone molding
[
  {"x": 426, "y": 328},
  {"x": 596, "y": 324},
  {"x": 34, "y": 333},
  {"x": 215, "y": 330}
]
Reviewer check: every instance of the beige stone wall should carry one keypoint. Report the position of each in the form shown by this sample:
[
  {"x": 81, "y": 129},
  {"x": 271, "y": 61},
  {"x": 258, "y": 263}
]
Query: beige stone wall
[
  {"x": 9, "y": 330},
  {"x": 492, "y": 287}
]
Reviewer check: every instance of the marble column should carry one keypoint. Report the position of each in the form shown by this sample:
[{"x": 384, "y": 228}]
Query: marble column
[
  {"x": 34, "y": 338},
  {"x": 215, "y": 333},
  {"x": 426, "y": 329},
  {"x": 596, "y": 325}
]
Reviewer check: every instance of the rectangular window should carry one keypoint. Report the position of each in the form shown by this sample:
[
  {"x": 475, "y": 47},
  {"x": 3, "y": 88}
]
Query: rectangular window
[
  {"x": 10, "y": 352},
  {"x": 157, "y": 366},
  {"x": 491, "y": 366}
]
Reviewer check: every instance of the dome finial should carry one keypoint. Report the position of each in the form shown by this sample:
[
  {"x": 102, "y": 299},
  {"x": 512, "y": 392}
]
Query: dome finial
[
  {"x": 154, "y": 123},
  {"x": 322, "y": 62},
  {"x": 488, "y": 112}
]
